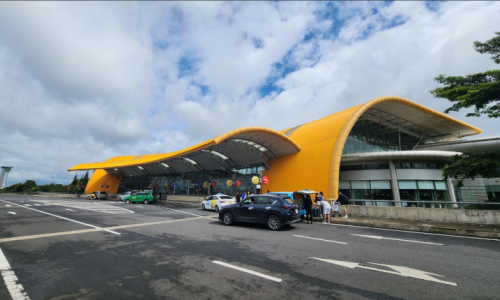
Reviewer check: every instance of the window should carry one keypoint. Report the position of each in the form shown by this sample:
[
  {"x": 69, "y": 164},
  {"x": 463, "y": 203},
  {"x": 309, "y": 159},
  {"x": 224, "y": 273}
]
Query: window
[
  {"x": 364, "y": 167},
  {"x": 225, "y": 197},
  {"x": 344, "y": 185},
  {"x": 407, "y": 185},
  {"x": 262, "y": 200},
  {"x": 440, "y": 185},
  {"x": 381, "y": 185},
  {"x": 425, "y": 185},
  {"x": 360, "y": 185}
]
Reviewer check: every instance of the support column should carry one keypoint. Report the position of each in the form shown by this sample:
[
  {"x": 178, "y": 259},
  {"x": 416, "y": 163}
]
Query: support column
[
  {"x": 394, "y": 184},
  {"x": 451, "y": 190}
]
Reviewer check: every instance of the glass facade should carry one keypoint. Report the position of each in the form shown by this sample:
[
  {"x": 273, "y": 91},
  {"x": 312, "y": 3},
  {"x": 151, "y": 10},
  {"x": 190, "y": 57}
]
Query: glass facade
[
  {"x": 409, "y": 190},
  {"x": 419, "y": 165},
  {"x": 364, "y": 167},
  {"x": 192, "y": 183},
  {"x": 368, "y": 136}
]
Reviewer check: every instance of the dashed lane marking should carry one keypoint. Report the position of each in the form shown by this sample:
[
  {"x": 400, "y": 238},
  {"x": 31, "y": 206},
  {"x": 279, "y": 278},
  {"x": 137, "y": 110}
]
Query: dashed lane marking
[
  {"x": 418, "y": 232},
  {"x": 400, "y": 240},
  {"x": 45, "y": 235},
  {"x": 27, "y": 204},
  {"x": 247, "y": 271},
  {"x": 78, "y": 222},
  {"x": 16, "y": 290},
  {"x": 11, "y": 212},
  {"x": 330, "y": 241},
  {"x": 69, "y": 209},
  {"x": 8, "y": 205}
]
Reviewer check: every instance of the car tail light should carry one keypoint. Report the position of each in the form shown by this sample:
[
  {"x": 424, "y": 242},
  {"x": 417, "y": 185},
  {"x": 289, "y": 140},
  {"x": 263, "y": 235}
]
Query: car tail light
[
  {"x": 222, "y": 201},
  {"x": 287, "y": 207}
]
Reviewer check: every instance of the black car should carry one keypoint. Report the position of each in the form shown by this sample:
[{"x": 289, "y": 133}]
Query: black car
[{"x": 273, "y": 210}]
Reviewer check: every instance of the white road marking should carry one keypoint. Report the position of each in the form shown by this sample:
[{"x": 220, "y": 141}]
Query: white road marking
[
  {"x": 98, "y": 207},
  {"x": 16, "y": 290},
  {"x": 11, "y": 212},
  {"x": 307, "y": 237},
  {"x": 38, "y": 205},
  {"x": 85, "y": 224},
  {"x": 398, "y": 270},
  {"x": 418, "y": 232},
  {"x": 386, "y": 238},
  {"x": 44, "y": 235},
  {"x": 248, "y": 271},
  {"x": 69, "y": 209},
  {"x": 27, "y": 205},
  {"x": 8, "y": 205}
]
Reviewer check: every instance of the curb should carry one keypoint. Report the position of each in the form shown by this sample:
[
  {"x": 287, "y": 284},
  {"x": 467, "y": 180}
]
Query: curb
[{"x": 422, "y": 227}]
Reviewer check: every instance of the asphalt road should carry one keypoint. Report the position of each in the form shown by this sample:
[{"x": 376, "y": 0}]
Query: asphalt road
[{"x": 81, "y": 249}]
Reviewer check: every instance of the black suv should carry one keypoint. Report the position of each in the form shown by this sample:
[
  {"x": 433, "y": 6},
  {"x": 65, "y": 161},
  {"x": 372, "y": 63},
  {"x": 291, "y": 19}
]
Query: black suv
[{"x": 273, "y": 210}]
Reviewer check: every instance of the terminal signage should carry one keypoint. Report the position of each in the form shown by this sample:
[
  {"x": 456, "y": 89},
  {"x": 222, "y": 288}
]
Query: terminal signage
[{"x": 174, "y": 185}]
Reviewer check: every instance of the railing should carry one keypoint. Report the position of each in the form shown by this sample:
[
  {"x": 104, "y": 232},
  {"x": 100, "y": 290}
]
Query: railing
[{"x": 428, "y": 204}]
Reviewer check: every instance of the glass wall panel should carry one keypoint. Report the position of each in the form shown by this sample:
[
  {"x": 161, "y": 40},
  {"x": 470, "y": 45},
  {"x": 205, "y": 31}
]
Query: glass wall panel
[
  {"x": 344, "y": 185},
  {"x": 425, "y": 184},
  {"x": 440, "y": 185},
  {"x": 360, "y": 185},
  {"x": 407, "y": 184},
  {"x": 380, "y": 184}
]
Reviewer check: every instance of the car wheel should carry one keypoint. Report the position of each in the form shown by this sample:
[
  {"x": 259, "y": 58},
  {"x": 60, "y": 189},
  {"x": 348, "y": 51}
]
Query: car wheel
[
  {"x": 146, "y": 202},
  {"x": 203, "y": 207},
  {"x": 273, "y": 222},
  {"x": 228, "y": 218},
  {"x": 216, "y": 209},
  {"x": 128, "y": 201}
]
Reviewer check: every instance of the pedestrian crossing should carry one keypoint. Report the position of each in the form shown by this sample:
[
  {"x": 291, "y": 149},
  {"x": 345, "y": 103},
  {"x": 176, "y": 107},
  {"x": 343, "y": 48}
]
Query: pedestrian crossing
[{"x": 98, "y": 207}]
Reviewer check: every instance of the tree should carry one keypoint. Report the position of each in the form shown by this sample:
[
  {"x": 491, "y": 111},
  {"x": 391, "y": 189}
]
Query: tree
[
  {"x": 85, "y": 178},
  {"x": 481, "y": 90},
  {"x": 472, "y": 164},
  {"x": 75, "y": 180}
]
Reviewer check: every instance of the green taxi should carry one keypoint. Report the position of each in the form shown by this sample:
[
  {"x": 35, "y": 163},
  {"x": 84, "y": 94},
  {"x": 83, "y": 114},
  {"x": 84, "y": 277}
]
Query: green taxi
[{"x": 144, "y": 196}]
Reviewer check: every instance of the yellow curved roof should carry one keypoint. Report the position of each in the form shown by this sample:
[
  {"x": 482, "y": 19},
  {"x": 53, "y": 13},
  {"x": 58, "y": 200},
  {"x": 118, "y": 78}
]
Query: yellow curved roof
[
  {"x": 317, "y": 165},
  {"x": 277, "y": 139}
]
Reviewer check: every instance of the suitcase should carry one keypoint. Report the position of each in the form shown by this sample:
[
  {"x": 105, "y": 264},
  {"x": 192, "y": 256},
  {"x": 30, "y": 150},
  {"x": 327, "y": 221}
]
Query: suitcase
[{"x": 315, "y": 212}]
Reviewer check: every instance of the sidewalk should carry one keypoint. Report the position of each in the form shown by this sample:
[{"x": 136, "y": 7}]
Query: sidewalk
[{"x": 475, "y": 230}]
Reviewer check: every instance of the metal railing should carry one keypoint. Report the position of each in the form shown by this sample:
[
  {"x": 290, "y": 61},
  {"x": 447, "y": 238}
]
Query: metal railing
[{"x": 426, "y": 204}]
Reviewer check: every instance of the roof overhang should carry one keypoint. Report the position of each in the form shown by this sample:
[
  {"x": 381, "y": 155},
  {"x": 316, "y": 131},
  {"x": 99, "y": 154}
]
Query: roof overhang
[{"x": 244, "y": 146}]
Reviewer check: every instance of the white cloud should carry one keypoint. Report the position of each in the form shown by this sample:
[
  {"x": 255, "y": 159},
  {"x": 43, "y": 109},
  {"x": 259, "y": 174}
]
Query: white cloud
[{"x": 82, "y": 82}]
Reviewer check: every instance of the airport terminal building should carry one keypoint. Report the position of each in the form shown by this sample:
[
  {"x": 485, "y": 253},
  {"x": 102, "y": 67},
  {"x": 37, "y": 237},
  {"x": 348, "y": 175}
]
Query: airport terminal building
[{"x": 388, "y": 148}]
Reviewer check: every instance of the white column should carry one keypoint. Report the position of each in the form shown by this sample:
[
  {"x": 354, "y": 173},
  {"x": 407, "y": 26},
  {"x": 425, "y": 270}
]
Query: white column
[
  {"x": 394, "y": 184},
  {"x": 451, "y": 190}
]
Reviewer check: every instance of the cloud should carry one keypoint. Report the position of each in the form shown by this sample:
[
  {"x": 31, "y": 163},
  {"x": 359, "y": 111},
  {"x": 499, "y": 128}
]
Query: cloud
[{"x": 83, "y": 82}]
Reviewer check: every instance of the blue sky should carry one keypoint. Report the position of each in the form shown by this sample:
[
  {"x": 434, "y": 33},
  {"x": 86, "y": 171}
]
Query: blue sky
[{"x": 87, "y": 81}]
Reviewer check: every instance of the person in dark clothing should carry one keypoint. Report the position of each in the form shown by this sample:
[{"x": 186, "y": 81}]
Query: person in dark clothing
[
  {"x": 238, "y": 197},
  {"x": 307, "y": 204},
  {"x": 344, "y": 201}
]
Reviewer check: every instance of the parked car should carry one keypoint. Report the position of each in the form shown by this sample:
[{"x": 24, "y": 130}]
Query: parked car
[
  {"x": 297, "y": 198},
  {"x": 97, "y": 195},
  {"x": 144, "y": 196},
  {"x": 273, "y": 210},
  {"x": 126, "y": 194},
  {"x": 216, "y": 202}
]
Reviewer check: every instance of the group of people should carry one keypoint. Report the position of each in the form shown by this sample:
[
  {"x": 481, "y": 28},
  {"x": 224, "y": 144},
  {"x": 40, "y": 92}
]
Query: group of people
[
  {"x": 324, "y": 206},
  {"x": 241, "y": 196}
]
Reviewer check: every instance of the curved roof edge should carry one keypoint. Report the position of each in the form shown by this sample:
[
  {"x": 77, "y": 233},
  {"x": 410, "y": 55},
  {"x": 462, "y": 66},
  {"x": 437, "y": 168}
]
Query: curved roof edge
[
  {"x": 399, "y": 155},
  {"x": 342, "y": 138},
  {"x": 137, "y": 160}
]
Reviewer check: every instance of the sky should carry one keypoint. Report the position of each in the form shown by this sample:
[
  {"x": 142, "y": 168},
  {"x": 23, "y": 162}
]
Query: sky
[{"x": 86, "y": 81}]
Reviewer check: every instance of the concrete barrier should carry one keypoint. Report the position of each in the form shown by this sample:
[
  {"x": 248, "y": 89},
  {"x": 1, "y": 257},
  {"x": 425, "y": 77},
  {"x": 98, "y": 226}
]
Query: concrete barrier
[{"x": 461, "y": 216}]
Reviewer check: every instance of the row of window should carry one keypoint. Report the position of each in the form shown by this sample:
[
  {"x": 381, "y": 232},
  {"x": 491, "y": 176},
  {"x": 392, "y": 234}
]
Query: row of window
[
  {"x": 403, "y": 165},
  {"x": 386, "y": 185}
]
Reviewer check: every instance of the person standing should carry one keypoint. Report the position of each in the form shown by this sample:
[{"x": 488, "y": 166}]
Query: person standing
[
  {"x": 344, "y": 201},
  {"x": 325, "y": 207},
  {"x": 243, "y": 196},
  {"x": 238, "y": 197},
  {"x": 307, "y": 205}
]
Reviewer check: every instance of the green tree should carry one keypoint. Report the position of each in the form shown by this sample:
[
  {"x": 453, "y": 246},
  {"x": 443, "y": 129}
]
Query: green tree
[
  {"x": 75, "y": 180},
  {"x": 472, "y": 164},
  {"x": 481, "y": 90},
  {"x": 85, "y": 178}
]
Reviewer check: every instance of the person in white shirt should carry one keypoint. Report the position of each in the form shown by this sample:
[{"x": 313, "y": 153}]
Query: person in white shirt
[{"x": 324, "y": 206}]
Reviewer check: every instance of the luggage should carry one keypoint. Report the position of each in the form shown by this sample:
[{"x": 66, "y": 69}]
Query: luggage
[{"x": 315, "y": 213}]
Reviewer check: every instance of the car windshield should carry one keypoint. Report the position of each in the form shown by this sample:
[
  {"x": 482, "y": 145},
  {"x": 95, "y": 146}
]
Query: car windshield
[{"x": 225, "y": 197}]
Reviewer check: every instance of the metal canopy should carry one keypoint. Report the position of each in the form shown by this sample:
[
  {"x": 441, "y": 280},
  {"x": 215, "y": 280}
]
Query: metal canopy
[{"x": 245, "y": 146}]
